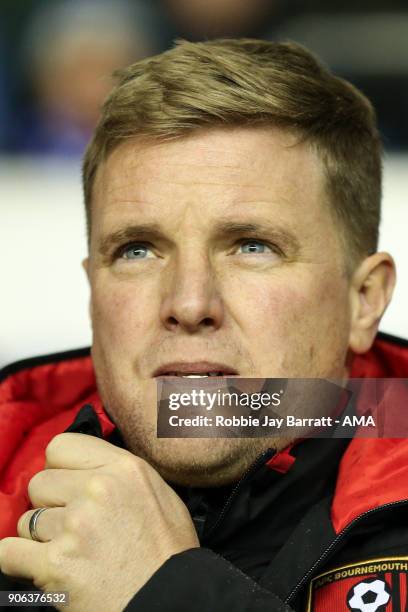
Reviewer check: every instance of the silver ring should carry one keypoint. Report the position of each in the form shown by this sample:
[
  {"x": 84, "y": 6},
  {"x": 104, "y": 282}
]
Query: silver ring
[{"x": 32, "y": 526}]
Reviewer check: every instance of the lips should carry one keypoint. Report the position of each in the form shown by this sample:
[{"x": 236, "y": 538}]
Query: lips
[{"x": 202, "y": 369}]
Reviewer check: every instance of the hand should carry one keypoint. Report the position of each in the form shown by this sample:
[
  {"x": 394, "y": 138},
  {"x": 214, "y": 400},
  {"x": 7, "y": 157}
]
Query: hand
[{"x": 111, "y": 522}]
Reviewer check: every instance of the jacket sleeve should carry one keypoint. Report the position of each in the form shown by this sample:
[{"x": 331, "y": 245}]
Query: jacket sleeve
[{"x": 200, "y": 580}]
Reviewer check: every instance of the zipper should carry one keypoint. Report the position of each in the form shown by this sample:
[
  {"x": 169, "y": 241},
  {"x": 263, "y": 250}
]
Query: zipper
[
  {"x": 262, "y": 459},
  {"x": 336, "y": 541}
]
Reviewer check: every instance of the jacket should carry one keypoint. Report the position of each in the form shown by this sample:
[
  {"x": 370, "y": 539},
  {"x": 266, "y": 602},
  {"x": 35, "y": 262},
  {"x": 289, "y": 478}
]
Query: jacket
[{"x": 320, "y": 526}]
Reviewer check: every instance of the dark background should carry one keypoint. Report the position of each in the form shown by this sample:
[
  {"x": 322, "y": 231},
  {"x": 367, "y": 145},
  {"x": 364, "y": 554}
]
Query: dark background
[{"x": 56, "y": 56}]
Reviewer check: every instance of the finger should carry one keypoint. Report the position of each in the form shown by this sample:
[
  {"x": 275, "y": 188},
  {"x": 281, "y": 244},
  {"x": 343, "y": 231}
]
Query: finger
[
  {"x": 80, "y": 452},
  {"x": 49, "y": 524},
  {"x": 23, "y": 559},
  {"x": 56, "y": 487}
]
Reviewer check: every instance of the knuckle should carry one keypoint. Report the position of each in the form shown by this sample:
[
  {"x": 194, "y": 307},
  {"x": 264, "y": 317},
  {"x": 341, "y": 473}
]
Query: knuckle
[
  {"x": 76, "y": 521},
  {"x": 34, "y": 484},
  {"x": 5, "y": 559},
  {"x": 53, "y": 446},
  {"x": 132, "y": 464},
  {"x": 101, "y": 487},
  {"x": 22, "y": 523},
  {"x": 134, "y": 471}
]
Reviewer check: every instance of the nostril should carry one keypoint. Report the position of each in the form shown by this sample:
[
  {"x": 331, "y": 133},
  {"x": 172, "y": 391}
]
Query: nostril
[{"x": 206, "y": 322}]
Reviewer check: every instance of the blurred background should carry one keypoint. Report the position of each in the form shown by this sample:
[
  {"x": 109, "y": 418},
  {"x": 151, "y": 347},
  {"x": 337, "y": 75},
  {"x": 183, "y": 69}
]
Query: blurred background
[{"x": 56, "y": 58}]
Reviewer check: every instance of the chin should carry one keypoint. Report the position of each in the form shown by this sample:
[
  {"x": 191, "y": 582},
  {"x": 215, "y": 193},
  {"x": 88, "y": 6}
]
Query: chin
[{"x": 205, "y": 462}]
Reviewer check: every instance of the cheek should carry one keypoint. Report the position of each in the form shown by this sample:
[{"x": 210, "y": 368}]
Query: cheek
[
  {"x": 121, "y": 313},
  {"x": 280, "y": 302},
  {"x": 295, "y": 320}
]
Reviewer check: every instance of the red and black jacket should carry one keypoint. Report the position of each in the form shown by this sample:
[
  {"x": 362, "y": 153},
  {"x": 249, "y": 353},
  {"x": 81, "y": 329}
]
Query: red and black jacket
[{"x": 310, "y": 528}]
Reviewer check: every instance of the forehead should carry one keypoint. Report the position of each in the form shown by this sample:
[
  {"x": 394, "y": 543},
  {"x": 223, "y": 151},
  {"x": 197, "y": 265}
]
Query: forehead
[{"x": 218, "y": 168}]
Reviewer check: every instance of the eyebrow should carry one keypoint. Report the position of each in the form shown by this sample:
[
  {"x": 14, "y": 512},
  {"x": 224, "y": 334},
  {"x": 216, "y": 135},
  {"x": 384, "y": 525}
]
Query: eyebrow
[
  {"x": 131, "y": 233},
  {"x": 151, "y": 231},
  {"x": 283, "y": 236}
]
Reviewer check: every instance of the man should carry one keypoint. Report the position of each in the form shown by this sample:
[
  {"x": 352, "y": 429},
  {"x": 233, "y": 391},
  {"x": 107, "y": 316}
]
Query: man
[{"x": 232, "y": 193}]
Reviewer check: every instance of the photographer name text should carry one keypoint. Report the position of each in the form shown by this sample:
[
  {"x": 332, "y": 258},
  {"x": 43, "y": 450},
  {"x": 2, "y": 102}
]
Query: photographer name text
[{"x": 267, "y": 421}]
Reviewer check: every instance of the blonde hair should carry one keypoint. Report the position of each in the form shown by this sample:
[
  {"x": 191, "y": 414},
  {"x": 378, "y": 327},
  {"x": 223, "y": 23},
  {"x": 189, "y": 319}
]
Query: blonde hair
[{"x": 248, "y": 82}]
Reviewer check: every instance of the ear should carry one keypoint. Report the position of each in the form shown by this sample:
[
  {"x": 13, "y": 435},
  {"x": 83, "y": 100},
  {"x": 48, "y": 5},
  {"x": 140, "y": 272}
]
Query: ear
[{"x": 371, "y": 290}]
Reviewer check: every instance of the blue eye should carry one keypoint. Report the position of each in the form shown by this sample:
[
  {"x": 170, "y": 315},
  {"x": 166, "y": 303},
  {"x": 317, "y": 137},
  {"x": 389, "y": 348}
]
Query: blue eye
[
  {"x": 136, "y": 251},
  {"x": 254, "y": 246}
]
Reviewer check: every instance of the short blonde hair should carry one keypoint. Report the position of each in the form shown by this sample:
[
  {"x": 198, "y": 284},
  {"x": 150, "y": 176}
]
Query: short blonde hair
[{"x": 247, "y": 82}]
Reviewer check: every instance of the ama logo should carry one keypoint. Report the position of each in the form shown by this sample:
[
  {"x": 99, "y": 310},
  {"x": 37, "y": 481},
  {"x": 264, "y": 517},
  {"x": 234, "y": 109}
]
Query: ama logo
[{"x": 359, "y": 421}]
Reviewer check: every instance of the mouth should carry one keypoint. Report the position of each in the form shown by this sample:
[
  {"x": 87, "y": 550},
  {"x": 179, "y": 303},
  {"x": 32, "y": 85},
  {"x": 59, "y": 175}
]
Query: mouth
[{"x": 195, "y": 370}]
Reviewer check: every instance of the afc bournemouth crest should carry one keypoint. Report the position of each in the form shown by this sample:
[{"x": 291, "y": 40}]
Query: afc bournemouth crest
[{"x": 378, "y": 585}]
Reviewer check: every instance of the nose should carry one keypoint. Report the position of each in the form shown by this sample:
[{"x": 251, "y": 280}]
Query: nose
[{"x": 191, "y": 300}]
